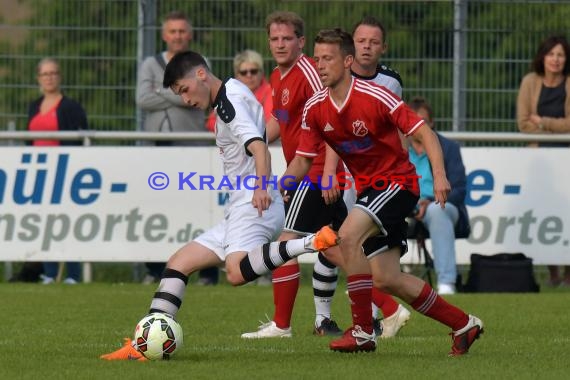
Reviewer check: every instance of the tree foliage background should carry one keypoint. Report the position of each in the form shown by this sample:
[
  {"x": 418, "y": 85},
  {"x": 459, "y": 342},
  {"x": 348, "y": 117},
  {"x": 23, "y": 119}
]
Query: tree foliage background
[{"x": 96, "y": 42}]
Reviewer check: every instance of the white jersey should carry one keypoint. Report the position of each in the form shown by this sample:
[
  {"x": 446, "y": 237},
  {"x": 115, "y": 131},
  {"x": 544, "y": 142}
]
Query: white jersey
[
  {"x": 386, "y": 77},
  {"x": 239, "y": 121}
]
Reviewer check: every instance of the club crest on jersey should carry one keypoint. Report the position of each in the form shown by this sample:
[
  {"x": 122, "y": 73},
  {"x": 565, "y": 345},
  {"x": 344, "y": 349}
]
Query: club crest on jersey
[
  {"x": 285, "y": 96},
  {"x": 359, "y": 128}
]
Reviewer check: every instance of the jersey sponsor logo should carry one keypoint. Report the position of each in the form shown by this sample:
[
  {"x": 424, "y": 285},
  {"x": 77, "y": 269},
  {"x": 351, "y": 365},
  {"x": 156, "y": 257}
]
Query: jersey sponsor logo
[
  {"x": 282, "y": 115},
  {"x": 359, "y": 128},
  {"x": 355, "y": 146},
  {"x": 328, "y": 128},
  {"x": 285, "y": 96}
]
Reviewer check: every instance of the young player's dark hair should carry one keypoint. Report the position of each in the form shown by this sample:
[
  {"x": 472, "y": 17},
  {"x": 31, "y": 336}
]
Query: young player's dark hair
[
  {"x": 339, "y": 37},
  {"x": 371, "y": 21},
  {"x": 538, "y": 62},
  {"x": 180, "y": 65},
  {"x": 286, "y": 17}
]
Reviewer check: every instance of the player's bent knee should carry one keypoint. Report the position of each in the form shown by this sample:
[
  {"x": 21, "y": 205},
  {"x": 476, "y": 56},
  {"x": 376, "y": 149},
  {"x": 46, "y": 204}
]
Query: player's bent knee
[
  {"x": 334, "y": 256},
  {"x": 386, "y": 284},
  {"x": 175, "y": 263},
  {"x": 234, "y": 278},
  {"x": 381, "y": 285},
  {"x": 235, "y": 267},
  {"x": 233, "y": 273},
  {"x": 350, "y": 249}
]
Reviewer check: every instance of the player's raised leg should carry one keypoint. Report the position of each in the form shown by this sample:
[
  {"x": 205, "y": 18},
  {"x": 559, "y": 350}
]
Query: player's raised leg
[
  {"x": 307, "y": 211},
  {"x": 424, "y": 299}
]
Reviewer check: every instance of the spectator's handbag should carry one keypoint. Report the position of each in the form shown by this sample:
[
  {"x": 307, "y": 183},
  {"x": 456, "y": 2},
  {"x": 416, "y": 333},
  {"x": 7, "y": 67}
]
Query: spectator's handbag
[{"x": 503, "y": 272}]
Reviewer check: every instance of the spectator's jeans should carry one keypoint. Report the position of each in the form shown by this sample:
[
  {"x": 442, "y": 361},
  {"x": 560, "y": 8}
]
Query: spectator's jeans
[
  {"x": 441, "y": 226},
  {"x": 73, "y": 270}
]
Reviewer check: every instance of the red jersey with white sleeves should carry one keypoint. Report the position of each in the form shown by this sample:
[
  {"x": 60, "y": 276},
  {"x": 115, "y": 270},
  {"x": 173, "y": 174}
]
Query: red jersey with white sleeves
[
  {"x": 290, "y": 93},
  {"x": 363, "y": 131}
]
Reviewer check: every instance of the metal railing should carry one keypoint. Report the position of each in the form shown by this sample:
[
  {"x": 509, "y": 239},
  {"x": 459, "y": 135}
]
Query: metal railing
[
  {"x": 88, "y": 137},
  {"x": 466, "y": 56}
]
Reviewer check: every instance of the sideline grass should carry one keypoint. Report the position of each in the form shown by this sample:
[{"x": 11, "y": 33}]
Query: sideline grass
[{"x": 58, "y": 331}]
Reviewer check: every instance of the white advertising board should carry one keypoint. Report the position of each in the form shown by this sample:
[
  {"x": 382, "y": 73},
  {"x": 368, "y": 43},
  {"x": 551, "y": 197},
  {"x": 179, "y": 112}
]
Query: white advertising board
[{"x": 98, "y": 204}]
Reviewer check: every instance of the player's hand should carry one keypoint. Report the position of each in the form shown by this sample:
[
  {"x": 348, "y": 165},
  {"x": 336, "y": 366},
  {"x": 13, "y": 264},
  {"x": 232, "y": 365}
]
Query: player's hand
[
  {"x": 441, "y": 189},
  {"x": 285, "y": 196},
  {"x": 330, "y": 191},
  {"x": 261, "y": 200},
  {"x": 422, "y": 206}
]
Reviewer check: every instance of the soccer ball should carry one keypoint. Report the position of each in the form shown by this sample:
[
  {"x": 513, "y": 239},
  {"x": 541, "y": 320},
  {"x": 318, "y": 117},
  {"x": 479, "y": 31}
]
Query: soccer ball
[{"x": 158, "y": 336}]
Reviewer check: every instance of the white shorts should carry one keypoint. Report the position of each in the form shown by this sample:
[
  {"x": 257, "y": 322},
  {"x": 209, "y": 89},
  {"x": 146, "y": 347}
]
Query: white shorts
[{"x": 244, "y": 230}]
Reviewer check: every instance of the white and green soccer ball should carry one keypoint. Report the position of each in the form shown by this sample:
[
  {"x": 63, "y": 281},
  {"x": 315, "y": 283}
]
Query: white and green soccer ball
[{"x": 158, "y": 336}]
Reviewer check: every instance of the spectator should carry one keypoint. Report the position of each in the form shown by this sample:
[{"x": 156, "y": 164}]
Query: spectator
[
  {"x": 248, "y": 68},
  {"x": 163, "y": 111},
  {"x": 54, "y": 111},
  {"x": 444, "y": 224},
  {"x": 543, "y": 105}
]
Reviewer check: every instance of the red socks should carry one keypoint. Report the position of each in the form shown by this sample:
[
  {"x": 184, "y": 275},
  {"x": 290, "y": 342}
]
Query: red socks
[
  {"x": 285, "y": 286},
  {"x": 432, "y": 305},
  {"x": 360, "y": 294},
  {"x": 384, "y": 302}
]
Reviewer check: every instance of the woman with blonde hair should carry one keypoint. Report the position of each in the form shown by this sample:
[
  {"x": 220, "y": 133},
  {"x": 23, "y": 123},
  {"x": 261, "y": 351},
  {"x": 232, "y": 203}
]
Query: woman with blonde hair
[{"x": 248, "y": 68}]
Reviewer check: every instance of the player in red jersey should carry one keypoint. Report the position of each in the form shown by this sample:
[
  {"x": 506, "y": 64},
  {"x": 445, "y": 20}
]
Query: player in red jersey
[
  {"x": 360, "y": 121},
  {"x": 308, "y": 207},
  {"x": 369, "y": 37}
]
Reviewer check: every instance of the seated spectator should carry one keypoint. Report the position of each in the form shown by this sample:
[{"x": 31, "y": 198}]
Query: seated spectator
[
  {"x": 444, "y": 224},
  {"x": 248, "y": 68}
]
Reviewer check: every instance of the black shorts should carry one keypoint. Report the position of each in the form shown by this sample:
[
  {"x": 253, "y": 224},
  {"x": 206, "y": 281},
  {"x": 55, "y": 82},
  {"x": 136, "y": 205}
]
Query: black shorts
[
  {"x": 306, "y": 211},
  {"x": 388, "y": 208}
]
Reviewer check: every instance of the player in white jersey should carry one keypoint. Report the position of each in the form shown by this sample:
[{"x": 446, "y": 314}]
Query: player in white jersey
[{"x": 255, "y": 214}]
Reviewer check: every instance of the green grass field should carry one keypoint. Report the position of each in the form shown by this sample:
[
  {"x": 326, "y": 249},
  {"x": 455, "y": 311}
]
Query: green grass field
[{"x": 58, "y": 332}]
